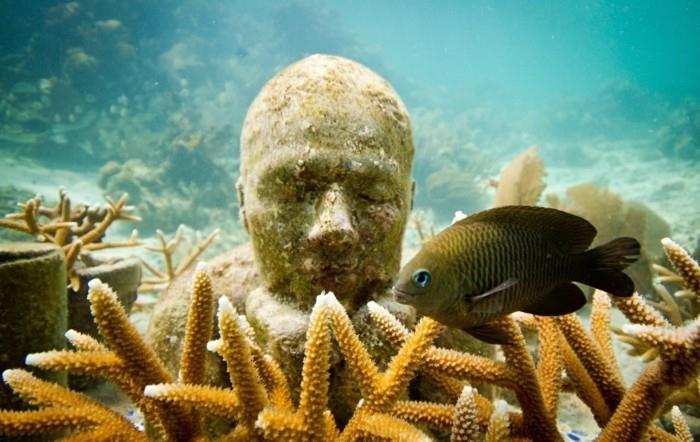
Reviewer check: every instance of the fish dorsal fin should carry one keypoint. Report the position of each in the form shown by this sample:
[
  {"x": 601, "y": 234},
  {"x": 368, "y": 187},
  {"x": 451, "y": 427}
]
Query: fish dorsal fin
[
  {"x": 489, "y": 333},
  {"x": 508, "y": 283},
  {"x": 561, "y": 300},
  {"x": 570, "y": 233}
]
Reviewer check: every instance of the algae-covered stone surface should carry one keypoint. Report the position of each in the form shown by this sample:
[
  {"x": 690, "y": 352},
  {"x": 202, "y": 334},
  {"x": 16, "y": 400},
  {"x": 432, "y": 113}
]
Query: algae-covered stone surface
[{"x": 33, "y": 311}]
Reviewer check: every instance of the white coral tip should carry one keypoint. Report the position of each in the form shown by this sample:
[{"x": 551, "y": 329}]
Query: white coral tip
[
  {"x": 675, "y": 411},
  {"x": 95, "y": 283},
  {"x": 71, "y": 335},
  {"x": 202, "y": 266},
  {"x": 328, "y": 300},
  {"x": 668, "y": 242},
  {"x": 214, "y": 346},
  {"x": 33, "y": 359},
  {"x": 323, "y": 300},
  {"x": 242, "y": 320},
  {"x": 500, "y": 407},
  {"x": 155, "y": 391},
  {"x": 468, "y": 391},
  {"x": 373, "y": 307},
  {"x": 225, "y": 306},
  {"x": 14, "y": 374}
]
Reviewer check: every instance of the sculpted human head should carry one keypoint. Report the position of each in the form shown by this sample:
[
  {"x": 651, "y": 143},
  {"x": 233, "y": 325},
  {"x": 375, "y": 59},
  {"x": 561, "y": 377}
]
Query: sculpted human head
[{"x": 325, "y": 186}]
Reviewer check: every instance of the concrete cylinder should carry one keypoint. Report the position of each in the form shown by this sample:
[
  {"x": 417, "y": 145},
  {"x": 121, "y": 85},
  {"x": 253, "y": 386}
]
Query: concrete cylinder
[{"x": 33, "y": 312}]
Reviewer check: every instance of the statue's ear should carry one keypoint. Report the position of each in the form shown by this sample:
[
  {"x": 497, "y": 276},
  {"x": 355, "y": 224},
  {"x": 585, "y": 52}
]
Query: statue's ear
[
  {"x": 413, "y": 192},
  {"x": 241, "y": 203}
]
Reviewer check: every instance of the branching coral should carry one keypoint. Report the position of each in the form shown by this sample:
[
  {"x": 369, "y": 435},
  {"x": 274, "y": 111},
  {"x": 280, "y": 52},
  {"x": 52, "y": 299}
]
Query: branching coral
[
  {"x": 260, "y": 404},
  {"x": 76, "y": 229},
  {"x": 167, "y": 248}
]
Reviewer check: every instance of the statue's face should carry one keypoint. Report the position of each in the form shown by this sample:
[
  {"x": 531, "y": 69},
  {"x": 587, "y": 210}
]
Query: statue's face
[
  {"x": 328, "y": 218},
  {"x": 325, "y": 185}
]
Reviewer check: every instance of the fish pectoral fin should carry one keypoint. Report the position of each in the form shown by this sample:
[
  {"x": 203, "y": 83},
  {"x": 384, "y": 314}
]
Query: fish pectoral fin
[
  {"x": 489, "y": 333},
  {"x": 561, "y": 300},
  {"x": 508, "y": 283}
]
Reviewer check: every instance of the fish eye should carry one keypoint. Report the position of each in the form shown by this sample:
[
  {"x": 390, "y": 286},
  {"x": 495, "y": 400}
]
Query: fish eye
[{"x": 421, "y": 278}]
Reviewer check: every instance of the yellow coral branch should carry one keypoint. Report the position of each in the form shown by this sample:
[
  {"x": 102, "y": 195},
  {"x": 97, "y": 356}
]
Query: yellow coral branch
[
  {"x": 102, "y": 363},
  {"x": 198, "y": 330},
  {"x": 47, "y": 420},
  {"x": 379, "y": 390},
  {"x": 443, "y": 361},
  {"x": 600, "y": 327},
  {"x": 141, "y": 365},
  {"x": 678, "y": 364},
  {"x": 638, "y": 311},
  {"x": 425, "y": 413},
  {"x": 366, "y": 425},
  {"x": 243, "y": 375},
  {"x": 313, "y": 400},
  {"x": 114, "y": 326},
  {"x": 680, "y": 426},
  {"x": 62, "y": 409},
  {"x": 584, "y": 386},
  {"x": 605, "y": 377},
  {"x": 465, "y": 426},
  {"x": 528, "y": 391},
  {"x": 499, "y": 426},
  {"x": 549, "y": 368},
  {"x": 211, "y": 400},
  {"x": 685, "y": 265}
]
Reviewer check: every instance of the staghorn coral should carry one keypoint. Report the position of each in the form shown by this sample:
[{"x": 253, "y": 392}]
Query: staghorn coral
[
  {"x": 167, "y": 248},
  {"x": 622, "y": 414},
  {"x": 76, "y": 229},
  {"x": 260, "y": 400}
]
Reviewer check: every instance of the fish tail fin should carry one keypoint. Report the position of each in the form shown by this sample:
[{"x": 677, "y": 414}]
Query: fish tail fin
[{"x": 604, "y": 264}]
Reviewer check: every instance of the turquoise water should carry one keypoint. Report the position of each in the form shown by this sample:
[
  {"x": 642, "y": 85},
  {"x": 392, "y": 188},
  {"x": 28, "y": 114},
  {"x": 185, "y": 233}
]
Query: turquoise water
[
  {"x": 85, "y": 83},
  {"x": 148, "y": 97},
  {"x": 526, "y": 53},
  {"x": 164, "y": 87}
]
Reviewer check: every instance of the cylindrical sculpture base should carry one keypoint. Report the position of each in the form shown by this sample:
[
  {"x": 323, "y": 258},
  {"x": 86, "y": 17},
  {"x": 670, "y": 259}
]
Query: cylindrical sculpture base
[{"x": 33, "y": 313}]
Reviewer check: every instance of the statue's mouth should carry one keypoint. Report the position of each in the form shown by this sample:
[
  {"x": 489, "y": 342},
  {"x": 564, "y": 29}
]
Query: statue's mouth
[{"x": 329, "y": 268}]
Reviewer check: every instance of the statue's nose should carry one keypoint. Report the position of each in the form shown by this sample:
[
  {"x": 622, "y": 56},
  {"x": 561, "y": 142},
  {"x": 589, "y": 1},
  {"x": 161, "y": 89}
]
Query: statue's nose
[{"x": 333, "y": 224}]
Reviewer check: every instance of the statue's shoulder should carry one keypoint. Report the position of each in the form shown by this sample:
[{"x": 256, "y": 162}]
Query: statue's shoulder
[{"x": 233, "y": 273}]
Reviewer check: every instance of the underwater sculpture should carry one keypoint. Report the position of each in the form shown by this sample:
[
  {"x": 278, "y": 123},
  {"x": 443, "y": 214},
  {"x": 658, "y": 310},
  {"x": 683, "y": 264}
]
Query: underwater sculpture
[
  {"x": 325, "y": 191},
  {"x": 325, "y": 184},
  {"x": 260, "y": 402},
  {"x": 512, "y": 258}
]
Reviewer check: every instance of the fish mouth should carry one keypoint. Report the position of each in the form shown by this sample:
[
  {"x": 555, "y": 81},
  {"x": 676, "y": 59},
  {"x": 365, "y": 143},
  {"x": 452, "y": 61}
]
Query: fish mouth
[{"x": 401, "y": 296}]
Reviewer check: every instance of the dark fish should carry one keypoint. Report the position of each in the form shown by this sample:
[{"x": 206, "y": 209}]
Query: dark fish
[{"x": 512, "y": 258}]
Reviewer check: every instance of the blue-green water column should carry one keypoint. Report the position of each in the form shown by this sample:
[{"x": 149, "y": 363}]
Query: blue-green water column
[{"x": 33, "y": 312}]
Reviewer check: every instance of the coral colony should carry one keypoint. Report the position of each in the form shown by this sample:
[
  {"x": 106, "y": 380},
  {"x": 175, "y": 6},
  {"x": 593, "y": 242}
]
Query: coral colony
[{"x": 259, "y": 404}]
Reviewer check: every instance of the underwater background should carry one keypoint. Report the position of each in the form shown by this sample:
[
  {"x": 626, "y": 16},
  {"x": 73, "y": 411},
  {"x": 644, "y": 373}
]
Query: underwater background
[{"x": 148, "y": 97}]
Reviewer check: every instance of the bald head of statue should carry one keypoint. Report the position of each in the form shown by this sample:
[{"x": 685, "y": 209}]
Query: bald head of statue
[{"x": 325, "y": 184}]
